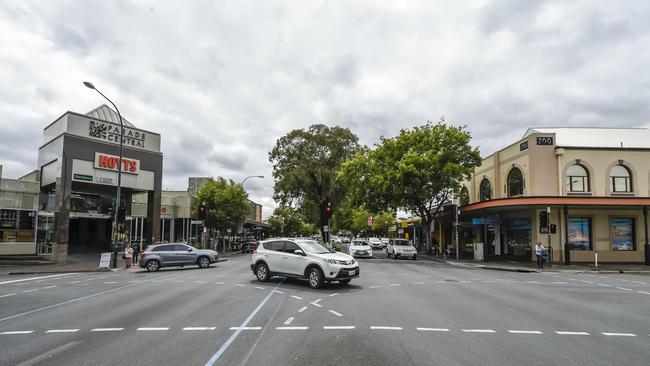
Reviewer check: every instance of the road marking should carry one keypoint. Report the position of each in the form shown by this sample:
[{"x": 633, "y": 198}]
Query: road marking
[
  {"x": 291, "y": 328},
  {"x": 48, "y": 354},
  {"x": 620, "y": 279},
  {"x": 641, "y": 292},
  {"x": 479, "y": 331},
  {"x": 245, "y": 328},
  {"x": 417, "y": 283},
  {"x": 296, "y": 297},
  {"x": 571, "y": 333},
  {"x": 374, "y": 286},
  {"x": 260, "y": 288},
  {"x": 624, "y": 289},
  {"x": 354, "y": 289},
  {"x": 278, "y": 292},
  {"x": 560, "y": 282},
  {"x": 18, "y": 332},
  {"x": 61, "y": 330},
  {"x": 604, "y": 285},
  {"x": 464, "y": 281},
  {"x": 334, "y": 294},
  {"x": 315, "y": 303},
  {"x": 7, "y": 295},
  {"x": 199, "y": 281},
  {"x": 32, "y": 290},
  {"x": 224, "y": 347},
  {"x": 53, "y": 286},
  {"x": 111, "y": 282},
  {"x": 586, "y": 281},
  {"x": 134, "y": 281},
  {"x": 179, "y": 281},
  {"x": 81, "y": 284},
  {"x": 73, "y": 282},
  {"x": 240, "y": 285},
  {"x": 302, "y": 309},
  {"x": 384, "y": 328},
  {"x": 394, "y": 284},
  {"x": 219, "y": 283},
  {"x": 525, "y": 332},
  {"x": 639, "y": 282},
  {"x": 288, "y": 321},
  {"x": 199, "y": 328},
  {"x": 433, "y": 329},
  {"x": 153, "y": 328},
  {"x": 37, "y": 278},
  {"x": 106, "y": 329},
  {"x": 335, "y": 313},
  {"x": 620, "y": 334},
  {"x": 338, "y": 327}
]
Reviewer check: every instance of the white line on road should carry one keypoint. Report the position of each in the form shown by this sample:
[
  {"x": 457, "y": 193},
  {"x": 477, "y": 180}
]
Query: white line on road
[
  {"x": 586, "y": 281},
  {"x": 560, "y": 282},
  {"x": 620, "y": 334},
  {"x": 624, "y": 289},
  {"x": 417, "y": 283},
  {"x": 240, "y": 285},
  {"x": 434, "y": 329},
  {"x": 384, "y": 328},
  {"x": 62, "y": 331},
  {"x": 153, "y": 328},
  {"x": 335, "y": 313},
  {"x": 479, "y": 331},
  {"x": 641, "y": 292},
  {"x": 199, "y": 281},
  {"x": 32, "y": 290},
  {"x": 394, "y": 284},
  {"x": 354, "y": 289},
  {"x": 338, "y": 327},
  {"x": 199, "y": 328},
  {"x": 288, "y": 321},
  {"x": 604, "y": 285},
  {"x": 36, "y": 278},
  {"x": 73, "y": 282},
  {"x": 219, "y": 283},
  {"x": 291, "y": 328},
  {"x": 7, "y": 295},
  {"x": 571, "y": 333},
  {"x": 111, "y": 282},
  {"x": 296, "y": 297},
  {"x": 639, "y": 282},
  {"x": 48, "y": 354},
  {"x": 374, "y": 286},
  {"x": 260, "y": 288},
  {"x": 278, "y": 292},
  {"x": 18, "y": 332},
  {"x": 245, "y": 328},
  {"x": 302, "y": 309},
  {"x": 525, "y": 332},
  {"x": 134, "y": 281},
  {"x": 107, "y": 329},
  {"x": 315, "y": 303},
  {"x": 45, "y": 288},
  {"x": 334, "y": 294}
]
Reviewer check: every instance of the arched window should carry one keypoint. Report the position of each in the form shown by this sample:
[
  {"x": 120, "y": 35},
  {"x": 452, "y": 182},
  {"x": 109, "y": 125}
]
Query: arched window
[
  {"x": 515, "y": 183},
  {"x": 485, "y": 190},
  {"x": 464, "y": 197},
  {"x": 620, "y": 179},
  {"x": 577, "y": 179}
]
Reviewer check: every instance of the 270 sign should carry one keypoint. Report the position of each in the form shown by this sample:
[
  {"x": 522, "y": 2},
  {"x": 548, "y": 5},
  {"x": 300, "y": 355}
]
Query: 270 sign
[
  {"x": 111, "y": 162},
  {"x": 544, "y": 141}
]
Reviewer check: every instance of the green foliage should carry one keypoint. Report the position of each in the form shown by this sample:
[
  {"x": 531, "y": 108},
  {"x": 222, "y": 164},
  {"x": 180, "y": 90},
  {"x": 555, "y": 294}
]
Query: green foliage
[
  {"x": 286, "y": 221},
  {"x": 381, "y": 222},
  {"x": 305, "y": 163},
  {"x": 226, "y": 203}
]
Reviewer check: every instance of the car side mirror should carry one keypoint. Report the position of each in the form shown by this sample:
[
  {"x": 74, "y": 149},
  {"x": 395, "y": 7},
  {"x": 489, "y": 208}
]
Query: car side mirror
[
  {"x": 189, "y": 249},
  {"x": 298, "y": 252}
]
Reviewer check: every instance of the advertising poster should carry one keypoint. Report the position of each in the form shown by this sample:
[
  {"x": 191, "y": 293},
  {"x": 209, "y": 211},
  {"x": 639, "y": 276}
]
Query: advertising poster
[
  {"x": 579, "y": 233},
  {"x": 622, "y": 230}
]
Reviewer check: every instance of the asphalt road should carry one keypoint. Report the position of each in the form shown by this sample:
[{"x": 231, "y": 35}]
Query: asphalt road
[{"x": 399, "y": 312}]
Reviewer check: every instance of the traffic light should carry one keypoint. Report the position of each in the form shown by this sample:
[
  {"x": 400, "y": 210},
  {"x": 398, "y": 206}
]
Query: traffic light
[
  {"x": 111, "y": 213},
  {"x": 121, "y": 214},
  {"x": 202, "y": 211},
  {"x": 328, "y": 211},
  {"x": 543, "y": 222}
]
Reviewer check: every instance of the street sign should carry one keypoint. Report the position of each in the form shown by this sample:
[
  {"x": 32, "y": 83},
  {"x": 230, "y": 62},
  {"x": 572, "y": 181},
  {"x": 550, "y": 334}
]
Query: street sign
[
  {"x": 105, "y": 261},
  {"x": 326, "y": 228},
  {"x": 197, "y": 222}
]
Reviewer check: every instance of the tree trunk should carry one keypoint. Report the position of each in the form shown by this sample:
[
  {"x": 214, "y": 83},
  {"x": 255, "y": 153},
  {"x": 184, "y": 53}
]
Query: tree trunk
[{"x": 427, "y": 234}]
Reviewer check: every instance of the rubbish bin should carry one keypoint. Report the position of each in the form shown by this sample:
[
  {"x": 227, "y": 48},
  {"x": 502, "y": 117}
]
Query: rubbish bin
[{"x": 478, "y": 251}]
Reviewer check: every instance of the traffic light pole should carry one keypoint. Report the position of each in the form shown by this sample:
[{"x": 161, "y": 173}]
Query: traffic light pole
[{"x": 550, "y": 248}]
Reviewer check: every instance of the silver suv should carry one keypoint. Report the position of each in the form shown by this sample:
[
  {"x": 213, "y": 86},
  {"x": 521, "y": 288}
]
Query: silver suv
[
  {"x": 175, "y": 254},
  {"x": 302, "y": 258}
]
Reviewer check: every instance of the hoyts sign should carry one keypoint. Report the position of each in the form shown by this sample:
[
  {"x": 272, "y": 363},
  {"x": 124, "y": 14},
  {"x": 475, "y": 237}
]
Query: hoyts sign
[{"x": 110, "y": 162}]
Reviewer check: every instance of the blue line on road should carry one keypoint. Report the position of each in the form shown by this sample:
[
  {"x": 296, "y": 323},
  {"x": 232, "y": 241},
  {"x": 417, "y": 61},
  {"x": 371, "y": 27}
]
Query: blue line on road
[{"x": 227, "y": 344}]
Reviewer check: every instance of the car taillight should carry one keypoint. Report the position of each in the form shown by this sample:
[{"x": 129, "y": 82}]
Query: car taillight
[{"x": 254, "y": 250}]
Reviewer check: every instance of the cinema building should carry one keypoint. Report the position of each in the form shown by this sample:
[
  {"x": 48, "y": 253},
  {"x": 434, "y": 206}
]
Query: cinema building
[{"x": 593, "y": 182}]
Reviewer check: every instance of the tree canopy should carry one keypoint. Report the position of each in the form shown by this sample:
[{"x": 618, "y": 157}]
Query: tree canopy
[
  {"x": 226, "y": 202},
  {"x": 287, "y": 221}
]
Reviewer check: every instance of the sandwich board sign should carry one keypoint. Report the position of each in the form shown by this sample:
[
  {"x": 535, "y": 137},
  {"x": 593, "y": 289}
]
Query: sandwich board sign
[{"x": 105, "y": 260}]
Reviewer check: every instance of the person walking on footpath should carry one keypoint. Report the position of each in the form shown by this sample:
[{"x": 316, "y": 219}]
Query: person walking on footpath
[
  {"x": 128, "y": 254},
  {"x": 136, "y": 252},
  {"x": 540, "y": 251}
]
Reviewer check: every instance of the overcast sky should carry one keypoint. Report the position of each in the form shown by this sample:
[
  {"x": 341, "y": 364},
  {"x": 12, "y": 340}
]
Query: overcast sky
[{"x": 222, "y": 81}]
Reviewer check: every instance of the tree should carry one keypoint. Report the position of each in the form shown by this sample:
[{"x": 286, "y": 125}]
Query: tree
[
  {"x": 305, "y": 163},
  {"x": 286, "y": 221},
  {"x": 226, "y": 203},
  {"x": 381, "y": 222},
  {"x": 418, "y": 171}
]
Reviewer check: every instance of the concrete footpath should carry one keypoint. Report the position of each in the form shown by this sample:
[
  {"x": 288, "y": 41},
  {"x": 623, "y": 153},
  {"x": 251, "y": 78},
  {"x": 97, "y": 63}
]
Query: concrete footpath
[
  {"x": 512, "y": 266},
  {"x": 87, "y": 262}
]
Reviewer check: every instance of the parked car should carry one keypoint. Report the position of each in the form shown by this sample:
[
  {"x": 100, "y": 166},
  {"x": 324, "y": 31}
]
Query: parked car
[
  {"x": 401, "y": 248},
  {"x": 360, "y": 248},
  {"x": 176, "y": 254},
  {"x": 384, "y": 243},
  {"x": 248, "y": 246},
  {"x": 302, "y": 258},
  {"x": 375, "y": 243}
]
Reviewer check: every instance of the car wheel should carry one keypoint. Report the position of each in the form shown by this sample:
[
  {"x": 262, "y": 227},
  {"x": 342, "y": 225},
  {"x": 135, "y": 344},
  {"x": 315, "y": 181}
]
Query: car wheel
[
  {"x": 315, "y": 278},
  {"x": 262, "y": 272},
  {"x": 204, "y": 262},
  {"x": 345, "y": 282},
  {"x": 152, "y": 265},
  {"x": 415, "y": 257}
]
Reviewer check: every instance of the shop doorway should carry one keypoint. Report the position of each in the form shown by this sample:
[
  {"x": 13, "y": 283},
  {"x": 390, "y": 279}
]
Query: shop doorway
[{"x": 89, "y": 235}]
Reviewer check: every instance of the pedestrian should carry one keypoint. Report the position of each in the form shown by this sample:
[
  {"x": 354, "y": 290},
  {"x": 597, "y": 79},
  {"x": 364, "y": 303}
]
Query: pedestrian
[
  {"x": 128, "y": 254},
  {"x": 540, "y": 252},
  {"x": 136, "y": 253}
]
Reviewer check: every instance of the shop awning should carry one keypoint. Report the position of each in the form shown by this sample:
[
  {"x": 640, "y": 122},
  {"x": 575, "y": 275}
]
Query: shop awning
[{"x": 629, "y": 202}]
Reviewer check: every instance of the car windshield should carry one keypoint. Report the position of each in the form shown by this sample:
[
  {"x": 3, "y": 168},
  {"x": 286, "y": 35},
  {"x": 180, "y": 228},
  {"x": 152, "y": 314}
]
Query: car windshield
[
  {"x": 359, "y": 243},
  {"x": 402, "y": 242},
  {"x": 311, "y": 246}
]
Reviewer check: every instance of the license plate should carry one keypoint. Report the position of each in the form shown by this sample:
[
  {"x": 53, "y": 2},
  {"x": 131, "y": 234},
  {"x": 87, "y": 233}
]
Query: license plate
[{"x": 352, "y": 273}]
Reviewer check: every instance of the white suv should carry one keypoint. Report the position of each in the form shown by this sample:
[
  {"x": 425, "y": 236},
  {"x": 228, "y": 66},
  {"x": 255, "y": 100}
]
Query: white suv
[
  {"x": 302, "y": 258},
  {"x": 401, "y": 248}
]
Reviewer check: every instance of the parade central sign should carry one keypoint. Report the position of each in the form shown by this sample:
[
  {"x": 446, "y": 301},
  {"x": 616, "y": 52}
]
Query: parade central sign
[
  {"x": 111, "y": 162},
  {"x": 109, "y": 132}
]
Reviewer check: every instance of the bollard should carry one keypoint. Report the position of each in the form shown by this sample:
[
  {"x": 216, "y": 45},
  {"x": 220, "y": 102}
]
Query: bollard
[{"x": 596, "y": 259}]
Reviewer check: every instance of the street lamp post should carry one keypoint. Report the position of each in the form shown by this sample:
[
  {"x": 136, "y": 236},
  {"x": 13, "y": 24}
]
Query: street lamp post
[
  {"x": 251, "y": 176},
  {"x": 119, "y": 175}
]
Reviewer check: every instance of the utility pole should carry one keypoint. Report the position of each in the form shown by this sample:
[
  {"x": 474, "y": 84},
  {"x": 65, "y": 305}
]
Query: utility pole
[{"x": 456, "y": 233}]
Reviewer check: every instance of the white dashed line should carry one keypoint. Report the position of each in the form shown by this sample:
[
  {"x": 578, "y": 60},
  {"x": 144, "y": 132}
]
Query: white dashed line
[
  {"x": 288, "y": 321},
  {"x": 36, "y": 278},
  {"x": 385, "y": 328},
  {"x": 106, "y": 329},
  {"x": 374, "y": 286},
  {"x": 219, "y": 283},
  {"x": 296, "y": 297},
  {"x": 525, "y": 332},
  {"x": 433, "y": 329},
  {"x": 61, "y": 330},
  {"x": 604, "y": 285},
  {"x": 260, "y": 288},
  {"x": 338, "y": 327},
  {"x": 179, "y": 281},
  {"x": 571, "y": 333},
  {"x": 560, "y": 283},
  {"x": 32, "y": 290},
  {"x": 417, "y": 283},
  {"x": 302, "y": 309},
  {"x": 394, "y": 284},
  {"x": 583, "y": 281},
  {"x": 278, "y": 292},
  {"x": 240, "y": 285},
  {"x": 315, "y": 303},
  {"x": 479, "y": 331},
  {"x": 7, "y": 295},
  {"x": 291, "y": 328},
  {"x": 111, "y": 282},
  {"x": 624, "y": 289},
  {"x": 643, "y": 292},
  {"x": 354, "y": 289},
  {"x": 73, "y": 282},
  {"x": 245, "y": 328},
  {"x": 619, "y": 334},
  {"x": 137, "y": 281},
  {"x": 199, "y": 328},
  {"x": 199, "y": 282},
  {"x": 81, "y": 284},
  {"x": 639, "y": 282},
  {"x": 45, "y": 288},
  {"x": 334, "y": 294},
  {"x": 13, "y": 332},
  {"x": 153, "y": 328},
  {"x": 335, "y": 313}
]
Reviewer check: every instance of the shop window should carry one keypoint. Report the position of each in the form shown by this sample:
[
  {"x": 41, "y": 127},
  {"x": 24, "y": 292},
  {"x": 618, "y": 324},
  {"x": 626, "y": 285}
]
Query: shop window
[
  {"x": 464, "y": 197},
  {"x": 620, "y": 179},
  {"x": 517, "y": 236},
  {"x": 515, "y": 183},
  {"x": 485, "y": 190},
  {"x": 577, "y": 179},
  {"x": 17, "y": 226},
  {"x": 579, "y": 232},
  {"x": 622, "y": 233}
]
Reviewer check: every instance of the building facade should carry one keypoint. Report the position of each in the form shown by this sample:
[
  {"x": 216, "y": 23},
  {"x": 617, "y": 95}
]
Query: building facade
[{"x": 593, "y": 184}]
